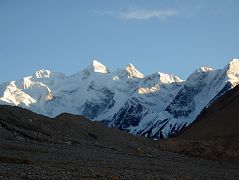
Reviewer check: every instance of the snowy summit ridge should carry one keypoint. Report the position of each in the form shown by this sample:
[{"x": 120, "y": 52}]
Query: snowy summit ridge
[
  {"x": 96, "y": 66},
  {"x": 133, "y": 72},
  {"x": 42, "y": 73},
  {"x": 157, "y": 105}
]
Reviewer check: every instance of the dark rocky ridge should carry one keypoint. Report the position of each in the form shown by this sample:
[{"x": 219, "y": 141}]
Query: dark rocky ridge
[{"x": 33, "y": 146}]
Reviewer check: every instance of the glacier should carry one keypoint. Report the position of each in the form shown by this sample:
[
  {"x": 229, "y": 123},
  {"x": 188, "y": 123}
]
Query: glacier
[{"x": 158, "y": 105}]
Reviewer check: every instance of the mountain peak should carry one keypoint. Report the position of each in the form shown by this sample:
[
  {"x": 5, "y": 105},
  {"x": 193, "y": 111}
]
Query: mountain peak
[
  {"x": 132, "y": 71},
  {"x": 233, "y": 65},
  {"x": 234, "y": 60},
  {"x": 96, "y": 66},
  {"x": 204, "y": 69},
  {"x": 168, "y": 78},
  {"x": 232, "y": 71},
  {"x": 200, "y": 72},
  {"x": 129, "y": 66},
  {"x": 43, "y": 73}
]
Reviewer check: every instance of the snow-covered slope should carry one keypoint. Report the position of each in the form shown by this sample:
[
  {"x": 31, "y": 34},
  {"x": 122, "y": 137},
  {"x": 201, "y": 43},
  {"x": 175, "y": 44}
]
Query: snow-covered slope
[{"x": 156, "y": 105}]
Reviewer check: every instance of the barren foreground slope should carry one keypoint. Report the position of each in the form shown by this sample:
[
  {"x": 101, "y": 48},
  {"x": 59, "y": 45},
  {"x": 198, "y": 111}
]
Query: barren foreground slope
[{"x": 71, "y": 147}]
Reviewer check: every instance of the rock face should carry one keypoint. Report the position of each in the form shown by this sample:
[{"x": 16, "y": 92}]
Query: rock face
[
  {"x": 215, "y": 132},
  {"x": 220, "y": 120},
  {"x": 156, "y": 105}
]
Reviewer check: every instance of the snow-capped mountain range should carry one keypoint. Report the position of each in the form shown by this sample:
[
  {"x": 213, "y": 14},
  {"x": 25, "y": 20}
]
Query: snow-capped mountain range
[{"x": 156, "y": 105}]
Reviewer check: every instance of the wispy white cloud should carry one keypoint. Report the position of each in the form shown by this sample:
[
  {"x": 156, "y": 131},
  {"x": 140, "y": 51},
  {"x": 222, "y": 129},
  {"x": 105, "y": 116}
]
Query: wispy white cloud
[
  {"x": 103, "y": 12},
  {"x": 139, "y": 14},
  {"x": 147, "y": 14}
]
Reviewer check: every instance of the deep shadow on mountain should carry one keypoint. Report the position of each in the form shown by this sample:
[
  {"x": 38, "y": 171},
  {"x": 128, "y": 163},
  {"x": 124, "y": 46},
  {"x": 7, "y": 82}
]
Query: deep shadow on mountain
[
  {"x": 33, "y": 146},
  {"x": 214, "y": 134}
]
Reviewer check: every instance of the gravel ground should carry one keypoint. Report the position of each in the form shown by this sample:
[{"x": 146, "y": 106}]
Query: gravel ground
[
  {"x": 71, "y": 147},
  {"x": 33, "y": 160}
]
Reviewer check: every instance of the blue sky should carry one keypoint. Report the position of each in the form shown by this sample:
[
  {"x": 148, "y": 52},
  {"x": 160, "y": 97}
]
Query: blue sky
[{"x": 175, "y": 36}]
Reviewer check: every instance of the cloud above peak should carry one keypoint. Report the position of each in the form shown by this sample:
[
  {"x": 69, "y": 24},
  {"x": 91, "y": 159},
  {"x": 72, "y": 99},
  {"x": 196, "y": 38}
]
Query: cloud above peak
[{"x": 141, "y": 14}]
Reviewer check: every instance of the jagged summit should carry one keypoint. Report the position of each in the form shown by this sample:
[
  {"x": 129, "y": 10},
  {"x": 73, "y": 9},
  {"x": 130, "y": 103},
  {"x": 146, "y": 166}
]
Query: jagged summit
[
  {"x": 133, "y": 72},
  {"x": 46, "y": 74},
  {"x": 43, "y": 73},
  {"x": 161, "y": 78},
  {"x": 233, "y": 66},
  {"x": 96, "y": 66},
  {"x": 168, "y": 78},
  {"x": 200, "y": 73},
  {"x": 234, "y": 60},
  {"x": 232, "y": 72},
  {"x": 204, "y": 69}
]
